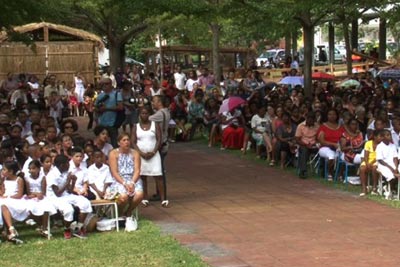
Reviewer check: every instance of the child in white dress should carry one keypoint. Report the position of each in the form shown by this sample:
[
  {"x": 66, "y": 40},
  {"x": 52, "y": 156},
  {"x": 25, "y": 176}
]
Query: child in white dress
[
  {"x": 39, "y": 206},
  {"x": 13, "y": 204}
]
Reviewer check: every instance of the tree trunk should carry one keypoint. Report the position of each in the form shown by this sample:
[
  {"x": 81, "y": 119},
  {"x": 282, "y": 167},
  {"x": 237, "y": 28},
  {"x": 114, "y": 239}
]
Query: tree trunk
[
  {"x": 382, "y": 38},
  {"x": 331, "y": 39},
  {"x": 308, "y": 32},
  {"x": 215, "y": 30},
  {"x": 354, "y": 34},
  {"x": 117, "y": 55},
  {"x": 288, "y": 44},
  {"x": 161, "y": 56},
  {"x": 348, "y": 48},
  {"x": 294, "y": 43}
]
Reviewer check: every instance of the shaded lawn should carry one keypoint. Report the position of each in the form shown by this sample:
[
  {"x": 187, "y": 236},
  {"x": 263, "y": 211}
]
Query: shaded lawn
[{"x": 145, "y": 247}]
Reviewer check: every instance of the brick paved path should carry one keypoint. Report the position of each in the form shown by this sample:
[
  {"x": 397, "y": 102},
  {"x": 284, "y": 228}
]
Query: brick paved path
[
  {"x": 238, "y": 213},
  {"x": 235, "y": 212}
]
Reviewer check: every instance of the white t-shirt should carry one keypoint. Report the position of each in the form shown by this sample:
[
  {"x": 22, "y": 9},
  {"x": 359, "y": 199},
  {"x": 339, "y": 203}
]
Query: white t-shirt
[
  {"x": 106, "y": 149},
  {"x": 229, "y": 116},
  {"x": 190, "y": 83},
  {"x": 386, "y": 153},
  {"x": 99, "y": 177},
  {"x": 260, "y": 123},
  {"x": 80, "y": 173},
  {"x": 34, "y": 85},
  {"x": 180, "y": 79},
  {"x": 30, "y": 139},
  {"x": 55, "y": 177},
  {"x": 153, "y": 92}
]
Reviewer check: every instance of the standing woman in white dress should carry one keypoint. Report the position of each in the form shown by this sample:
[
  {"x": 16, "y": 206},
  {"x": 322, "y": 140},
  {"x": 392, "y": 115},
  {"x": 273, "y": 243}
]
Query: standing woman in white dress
[
  {"x": 79, "y": 83},
  {"x": 146, "y": 139}
]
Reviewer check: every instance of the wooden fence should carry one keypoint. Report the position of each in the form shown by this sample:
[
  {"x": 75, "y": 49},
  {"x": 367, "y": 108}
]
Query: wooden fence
[{"x": 63, "y": 59}]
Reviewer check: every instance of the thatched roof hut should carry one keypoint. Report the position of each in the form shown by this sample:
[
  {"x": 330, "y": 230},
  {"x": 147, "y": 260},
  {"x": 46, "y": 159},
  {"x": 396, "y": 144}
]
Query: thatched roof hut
[{"x": 55, "y": 49}]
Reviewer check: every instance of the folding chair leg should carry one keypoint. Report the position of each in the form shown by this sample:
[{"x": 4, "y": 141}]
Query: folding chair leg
[
  {"x": 137, "y": 214},
  {"x": 380, "y": 185},
  {"x": 48, "y": 227},
  {"x": 116, "y": 216},
  {"x": 398, "y": 190}
]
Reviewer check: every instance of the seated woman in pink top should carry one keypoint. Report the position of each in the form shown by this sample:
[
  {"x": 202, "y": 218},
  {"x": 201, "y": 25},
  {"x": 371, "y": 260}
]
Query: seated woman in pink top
[
  {"x": 306, "y": 138},
  {"x": 329, "y": 134}
]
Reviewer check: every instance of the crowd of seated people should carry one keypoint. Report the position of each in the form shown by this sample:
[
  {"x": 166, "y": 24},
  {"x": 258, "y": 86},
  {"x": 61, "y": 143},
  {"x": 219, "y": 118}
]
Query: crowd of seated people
[
  {"x": 49, "y": 168},
  {"x": 283, "y": 126},
  {"x": 56, "y": 164}
]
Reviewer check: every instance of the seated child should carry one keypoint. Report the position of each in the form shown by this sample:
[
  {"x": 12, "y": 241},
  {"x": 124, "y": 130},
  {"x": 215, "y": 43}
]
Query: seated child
[
  {"x": 386, "y": 156},
  {"x": 369, "y": 164},
  {"x": 13, "y": 206},
  {"x": 99, "y": 175},
  {"x": 39, "y": 206},
  {"x": 46, "y": 164},
  {"x": 60, "y": 188},
  {"x": 34, "y": 154},
  {"x": 78, "y": 168}
]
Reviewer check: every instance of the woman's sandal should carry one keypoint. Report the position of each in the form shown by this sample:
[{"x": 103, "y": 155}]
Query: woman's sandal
[
  {"x": 272, "y": 163},
  {"x": 13, "y": 236},
  {"x": 145, "y": 202},
  {"x": 44, "y": 233},
  {"x": 165, "y": 203}
]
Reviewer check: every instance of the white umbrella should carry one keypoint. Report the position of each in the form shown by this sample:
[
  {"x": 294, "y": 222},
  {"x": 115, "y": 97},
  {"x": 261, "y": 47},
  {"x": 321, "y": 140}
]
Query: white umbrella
[{"x": 292, "y": 80}]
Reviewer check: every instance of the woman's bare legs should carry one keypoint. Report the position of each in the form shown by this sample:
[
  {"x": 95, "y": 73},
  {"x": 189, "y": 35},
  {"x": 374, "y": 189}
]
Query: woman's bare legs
[
  {"x": 211, "y": 138},
  {"x": 134, "y": 202},
  {"x": 363, "y": 178}
]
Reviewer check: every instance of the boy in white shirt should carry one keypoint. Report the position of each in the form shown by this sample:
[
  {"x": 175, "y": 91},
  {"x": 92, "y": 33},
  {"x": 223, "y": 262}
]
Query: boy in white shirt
[
  {"x": 77, "y": 167},
  {"x": 60, "y": 187},
  {"x": 99, "y": 175},
  {"x": 387, "y": 158}
]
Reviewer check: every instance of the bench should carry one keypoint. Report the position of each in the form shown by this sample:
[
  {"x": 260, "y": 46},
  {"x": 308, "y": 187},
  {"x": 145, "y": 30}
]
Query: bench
[{"x": 108, "y": 203}]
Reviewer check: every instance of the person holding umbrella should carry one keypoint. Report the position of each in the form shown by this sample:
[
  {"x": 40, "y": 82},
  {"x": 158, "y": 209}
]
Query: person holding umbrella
[{"x": 232, "y": 123}]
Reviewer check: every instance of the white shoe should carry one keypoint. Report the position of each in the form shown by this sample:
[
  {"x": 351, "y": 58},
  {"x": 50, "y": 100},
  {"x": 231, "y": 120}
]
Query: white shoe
[
  {"x": 30, "y": 222},
  {"x": 388, "y": 195},
  {"x": 131, "y": 224}
]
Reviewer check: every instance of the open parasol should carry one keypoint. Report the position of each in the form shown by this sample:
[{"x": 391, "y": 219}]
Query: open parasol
[
  {"x": 350, "y": 83},
  {"x": 231, "y": 103},
  {"x": 322, "y": 76},
  {"x": 391, "y": 73},
  {"x": 293, "y": 80}
]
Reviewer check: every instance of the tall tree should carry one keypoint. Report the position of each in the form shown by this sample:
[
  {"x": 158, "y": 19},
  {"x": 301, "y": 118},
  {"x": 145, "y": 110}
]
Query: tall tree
[
  {"x": 19, "y": 12},
  {"x": 309, "y": 13},
  {"x": 117, "y": 21},
  {"x": 348, "y": 12}
]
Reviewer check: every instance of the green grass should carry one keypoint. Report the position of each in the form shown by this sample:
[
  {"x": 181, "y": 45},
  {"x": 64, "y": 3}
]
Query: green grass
[{"x": 145, "y": 247}]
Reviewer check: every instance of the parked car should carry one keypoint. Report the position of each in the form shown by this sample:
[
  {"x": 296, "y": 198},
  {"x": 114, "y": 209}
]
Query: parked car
[
  {"x": 269, "y": 57},
  {"x": 320, "y": 60},
  {"x": 342, "y": 49},
  {"x": 339, "y": 57},
  {"x": 301, "y": 55}
]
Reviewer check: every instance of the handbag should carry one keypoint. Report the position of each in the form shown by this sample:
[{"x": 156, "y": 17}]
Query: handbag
[{"x": 120, "y": 117}]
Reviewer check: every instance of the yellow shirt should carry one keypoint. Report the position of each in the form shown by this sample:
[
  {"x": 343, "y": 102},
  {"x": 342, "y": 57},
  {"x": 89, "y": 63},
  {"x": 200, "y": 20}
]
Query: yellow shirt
[{"x": 369, "y": 146}]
